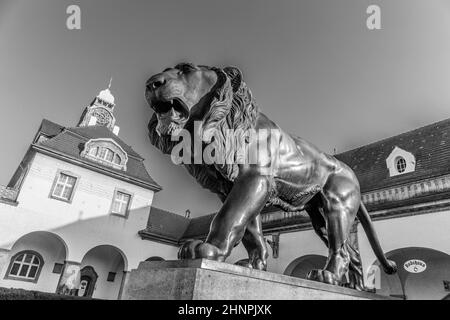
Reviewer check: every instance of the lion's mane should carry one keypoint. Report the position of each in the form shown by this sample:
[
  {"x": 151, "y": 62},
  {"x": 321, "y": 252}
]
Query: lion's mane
[{"x": 232, "y": 114}]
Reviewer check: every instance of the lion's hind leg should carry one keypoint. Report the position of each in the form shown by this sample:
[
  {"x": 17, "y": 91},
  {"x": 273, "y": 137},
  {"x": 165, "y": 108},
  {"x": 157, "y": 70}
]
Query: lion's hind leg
[
  {"x": 340, "y": 202},
  {"x": 355, "y": 272}
]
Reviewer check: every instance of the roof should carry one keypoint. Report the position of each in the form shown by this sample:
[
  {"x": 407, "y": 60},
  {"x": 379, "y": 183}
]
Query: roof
[
  {"x": 166, "y": 226},
  {"x": 70, "y": 142},
  {"x": 173, "y": 228},
  {"x": 429, "y": 144},
  {"x": 50, "y": 128},
  {"x": 198, "y": 227}
]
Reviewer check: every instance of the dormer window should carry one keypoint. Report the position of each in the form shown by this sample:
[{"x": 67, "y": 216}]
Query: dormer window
[
  {"x": 400, "y": 162},
  {"x": 106, "y": 152}
]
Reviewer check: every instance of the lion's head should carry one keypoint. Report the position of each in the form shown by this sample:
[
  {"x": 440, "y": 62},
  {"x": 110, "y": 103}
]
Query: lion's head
[
  {"x": 176, "y": 93},
  {"x": 216, "y": 97}
]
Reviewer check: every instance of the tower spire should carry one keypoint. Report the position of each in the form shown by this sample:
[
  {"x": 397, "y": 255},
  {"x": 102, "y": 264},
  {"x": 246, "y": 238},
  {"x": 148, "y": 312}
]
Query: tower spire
[{"x": 100, "y": 111}]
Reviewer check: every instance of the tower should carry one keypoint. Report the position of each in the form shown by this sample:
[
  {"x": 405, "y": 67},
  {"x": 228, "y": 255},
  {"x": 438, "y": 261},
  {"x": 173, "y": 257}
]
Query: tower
[{"x": 100, "y": 111}]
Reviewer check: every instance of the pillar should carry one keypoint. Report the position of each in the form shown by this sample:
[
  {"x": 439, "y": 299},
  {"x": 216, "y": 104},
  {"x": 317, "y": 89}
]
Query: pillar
[{"x": 123, "y": 283}]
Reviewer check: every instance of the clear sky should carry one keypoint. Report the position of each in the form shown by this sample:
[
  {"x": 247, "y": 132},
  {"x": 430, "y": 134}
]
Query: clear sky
[{"x": 312, "y": 65}]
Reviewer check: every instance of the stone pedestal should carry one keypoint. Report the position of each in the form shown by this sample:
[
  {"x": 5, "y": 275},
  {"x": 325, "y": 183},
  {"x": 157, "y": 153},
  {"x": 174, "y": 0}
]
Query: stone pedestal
[{"x": 210, "y": 280}]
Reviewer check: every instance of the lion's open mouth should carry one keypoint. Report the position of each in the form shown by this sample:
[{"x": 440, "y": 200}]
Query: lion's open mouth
[
  {"x": 176, "y": 104},
  {"x": 172, "y": 116}
]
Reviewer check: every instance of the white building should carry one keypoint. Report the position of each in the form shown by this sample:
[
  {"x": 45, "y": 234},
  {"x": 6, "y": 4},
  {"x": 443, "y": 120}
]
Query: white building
[{"x": 69, "y": 217}]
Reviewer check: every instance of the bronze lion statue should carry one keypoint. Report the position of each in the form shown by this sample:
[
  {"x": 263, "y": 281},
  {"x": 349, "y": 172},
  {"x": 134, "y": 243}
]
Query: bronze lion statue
[{"x": 292, "y": 175}]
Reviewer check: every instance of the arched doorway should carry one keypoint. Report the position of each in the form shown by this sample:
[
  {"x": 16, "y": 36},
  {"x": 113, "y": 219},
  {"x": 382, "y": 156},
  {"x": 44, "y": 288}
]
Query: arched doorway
[
  {"x": 36, "y": 261},
  {"x": 104, "y": 268},
  {"x": 300, "y": 267},
  {"x": 88, "y": 280},
  {"x": 422, "y": 274}
]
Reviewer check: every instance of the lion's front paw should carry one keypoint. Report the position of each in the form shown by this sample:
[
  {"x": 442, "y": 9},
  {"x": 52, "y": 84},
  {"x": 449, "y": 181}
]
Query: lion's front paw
[
  {"x": 324, "y": 276},
  {"x": 196, "y": 249},
  {"x": 259, "y": 264}
]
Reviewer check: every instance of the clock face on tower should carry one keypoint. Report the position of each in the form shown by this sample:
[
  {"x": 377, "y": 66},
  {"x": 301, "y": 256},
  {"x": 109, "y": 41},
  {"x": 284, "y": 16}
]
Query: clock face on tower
[{"x": 104, "y": 118}]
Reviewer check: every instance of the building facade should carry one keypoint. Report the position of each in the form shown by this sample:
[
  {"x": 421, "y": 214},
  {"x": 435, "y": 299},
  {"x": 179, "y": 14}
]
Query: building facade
[{"x": 69, "y": 216}]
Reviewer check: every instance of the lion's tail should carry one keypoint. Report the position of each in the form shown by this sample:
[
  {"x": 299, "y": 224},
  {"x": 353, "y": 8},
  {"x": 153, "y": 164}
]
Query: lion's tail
[{"x": 389, "y": 266}]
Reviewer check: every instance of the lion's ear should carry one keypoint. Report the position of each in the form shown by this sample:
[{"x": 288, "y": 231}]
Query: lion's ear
[{"x": 235, "y": 76}]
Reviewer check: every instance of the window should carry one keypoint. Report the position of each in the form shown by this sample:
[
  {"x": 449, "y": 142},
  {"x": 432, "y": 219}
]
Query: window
[
  {"x": 107, "y": 152},
  {"x": 94, "y": 151},
  {"x": 111, "y": 277},
  {"x": 121, "y": 203},
  {"x": 117, "y": 159},
  {"x": 57, "y": 268},
  {"x": 400, "y": 164},
  {"x": 63, "y": 187},
  {"x": 26, "y": 266}
]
